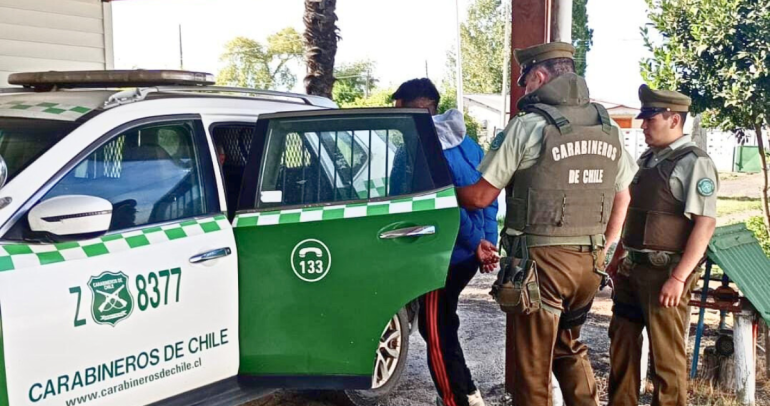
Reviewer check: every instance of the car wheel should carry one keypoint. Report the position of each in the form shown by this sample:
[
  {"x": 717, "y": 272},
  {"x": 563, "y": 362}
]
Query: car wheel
[{"x": 389, "y": 363}]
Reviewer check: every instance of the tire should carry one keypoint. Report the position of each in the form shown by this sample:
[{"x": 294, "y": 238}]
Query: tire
[{"x": 394, "y": 336}]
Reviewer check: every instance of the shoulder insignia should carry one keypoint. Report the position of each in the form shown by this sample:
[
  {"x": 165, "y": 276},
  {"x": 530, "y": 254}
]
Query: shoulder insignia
[
  {"x": 497, "y": 141},
  {"x": 706, "y": 187}
]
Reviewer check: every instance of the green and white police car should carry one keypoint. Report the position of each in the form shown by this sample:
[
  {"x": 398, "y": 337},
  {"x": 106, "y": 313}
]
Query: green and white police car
[{"x": 168, "y": 241}]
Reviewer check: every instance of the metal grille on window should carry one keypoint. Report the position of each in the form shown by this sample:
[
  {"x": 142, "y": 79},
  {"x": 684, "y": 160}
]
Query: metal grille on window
[
  {"x": 237, "y": 142},
  {"x": 113, "y": 157},
  {"x": 295, "y": 154}
]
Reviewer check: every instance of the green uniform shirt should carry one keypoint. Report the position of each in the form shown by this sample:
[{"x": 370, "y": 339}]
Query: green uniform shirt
[
  {"x": 519, "y": 145},
  {"x": 694, "y": 180}
]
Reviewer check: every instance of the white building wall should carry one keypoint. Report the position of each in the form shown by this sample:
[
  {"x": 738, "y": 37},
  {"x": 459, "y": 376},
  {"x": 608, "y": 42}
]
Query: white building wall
[{"x": 42, "y": 35}]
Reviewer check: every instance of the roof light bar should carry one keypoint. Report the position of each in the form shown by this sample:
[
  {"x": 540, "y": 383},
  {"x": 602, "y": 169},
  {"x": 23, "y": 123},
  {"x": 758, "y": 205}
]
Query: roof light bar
[{"x": 110, "y": 78}]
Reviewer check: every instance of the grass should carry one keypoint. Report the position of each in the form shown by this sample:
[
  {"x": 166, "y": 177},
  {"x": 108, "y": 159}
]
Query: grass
[
  {"x": 732, "y": 205},
  {"x": 704, "y": 393}
]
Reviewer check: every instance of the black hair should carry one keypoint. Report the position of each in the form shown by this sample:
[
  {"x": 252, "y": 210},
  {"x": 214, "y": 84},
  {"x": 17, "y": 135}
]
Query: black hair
[
  {"x": 414, "y": 89},
  {"x": 556, "y": 66},
  {"x": 682, "y": 115}
]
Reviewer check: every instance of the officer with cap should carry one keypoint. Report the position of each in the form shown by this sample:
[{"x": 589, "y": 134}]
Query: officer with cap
[
  {"x": 670, "y": 221},
  {"x": 566, "y": 176}
]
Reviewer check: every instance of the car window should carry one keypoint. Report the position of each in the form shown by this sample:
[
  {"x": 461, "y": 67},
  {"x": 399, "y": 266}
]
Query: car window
[
  {"x": 324, "y": 160},
  {"x": 151, "y": 174},
  {"x": 23, "y": 140}
]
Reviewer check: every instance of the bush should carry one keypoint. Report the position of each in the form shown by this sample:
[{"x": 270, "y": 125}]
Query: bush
[{"x": 757, "y": 226}]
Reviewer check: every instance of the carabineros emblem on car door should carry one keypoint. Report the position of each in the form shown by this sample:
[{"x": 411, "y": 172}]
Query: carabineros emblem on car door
[{"x": 111, "y": 301}]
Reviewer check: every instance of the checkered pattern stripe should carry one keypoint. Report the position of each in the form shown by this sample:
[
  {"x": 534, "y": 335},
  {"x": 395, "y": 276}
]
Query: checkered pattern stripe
[
  {"x": 19, "y": 256},
  {"x": 434, "y": 201},
  {"x": 64, "y": 110},
  {"x": 376, "y": 188}
]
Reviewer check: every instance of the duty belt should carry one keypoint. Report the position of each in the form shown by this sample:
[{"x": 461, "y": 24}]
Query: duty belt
[
  {"x": 544, "y": 241},
  {"x": 657, "y": 259}
]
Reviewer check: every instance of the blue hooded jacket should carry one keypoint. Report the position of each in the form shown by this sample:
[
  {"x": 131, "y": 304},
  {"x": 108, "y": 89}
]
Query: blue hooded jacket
[{"x": 463, "y": 155}]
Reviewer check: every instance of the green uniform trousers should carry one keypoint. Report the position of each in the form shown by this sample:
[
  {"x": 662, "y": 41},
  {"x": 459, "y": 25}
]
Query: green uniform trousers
[
  {"x": 637, "y": 305},
  {"x": 567, "y": 282}
]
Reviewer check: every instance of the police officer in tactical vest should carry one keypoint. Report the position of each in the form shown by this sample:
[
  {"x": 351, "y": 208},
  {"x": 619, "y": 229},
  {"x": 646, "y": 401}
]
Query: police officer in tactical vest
[
  {"x": 670, "y": 221},
  {"x": 566, "y": 176}
]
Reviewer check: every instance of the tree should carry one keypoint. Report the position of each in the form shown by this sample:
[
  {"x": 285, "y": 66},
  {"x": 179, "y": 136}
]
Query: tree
[
  {"x": 251, "y": 64},
  {"x": 582, "y": 36},
  {"x": 353, "y": 81},
  {"x": 482, "y": 38},
  {"x": 716, "y": 52},
  {"x": 483, "y": 44},
  {"x": 321, "y": 36},
  {"x": 377, "y": 98}
]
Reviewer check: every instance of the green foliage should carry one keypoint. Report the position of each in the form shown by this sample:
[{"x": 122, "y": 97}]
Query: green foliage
[
  {"x": 757, "y": 226},
  {"x": 377, "y": 98},
  {"x": 482, "y": 49},
  {"x": 248, "y": 63},
  {"x": 718, "y": 53},
  {"x": 354, "y": 81},
  {"x": 484, "y": 44},
  {"x": 582, "y": 36}
]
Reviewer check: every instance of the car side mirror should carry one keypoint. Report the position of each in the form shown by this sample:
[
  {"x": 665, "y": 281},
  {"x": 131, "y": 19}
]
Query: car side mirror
[{"x": 71, "y": 215}]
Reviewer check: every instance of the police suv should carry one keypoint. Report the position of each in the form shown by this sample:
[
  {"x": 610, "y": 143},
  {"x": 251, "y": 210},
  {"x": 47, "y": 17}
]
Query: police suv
[{"x": 168, "y": 241}]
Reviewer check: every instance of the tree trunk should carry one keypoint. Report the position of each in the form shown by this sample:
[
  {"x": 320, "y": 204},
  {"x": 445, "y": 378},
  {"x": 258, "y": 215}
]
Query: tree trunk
[
  {"x": 761, "y": 147},
  {"x": 321, "y": 35}
]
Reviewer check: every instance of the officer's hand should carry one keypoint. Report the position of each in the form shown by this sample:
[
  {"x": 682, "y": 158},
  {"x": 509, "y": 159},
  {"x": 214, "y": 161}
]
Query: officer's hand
[
  {"x": 671, "y": 293},
  {"x": 612, "y": 268}
]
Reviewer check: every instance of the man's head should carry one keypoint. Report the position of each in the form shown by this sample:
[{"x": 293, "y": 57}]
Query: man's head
[
  {"x": 663, "y": 115},
  {"x": 418, "y": 93},
  {"x": 541, "y": 63}
]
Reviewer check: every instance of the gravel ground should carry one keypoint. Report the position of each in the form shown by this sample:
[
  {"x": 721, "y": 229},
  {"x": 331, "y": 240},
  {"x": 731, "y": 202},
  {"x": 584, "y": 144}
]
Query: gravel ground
[{"x": 482, "y": 332}]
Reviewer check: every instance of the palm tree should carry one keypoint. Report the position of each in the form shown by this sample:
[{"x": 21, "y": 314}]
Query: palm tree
[{"x": 321, "y": 35}]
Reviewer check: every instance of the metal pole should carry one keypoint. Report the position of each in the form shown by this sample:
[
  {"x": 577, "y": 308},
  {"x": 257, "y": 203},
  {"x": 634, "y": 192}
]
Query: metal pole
[
  {"x": 561, "y": 21},
  {"x": 181, "y": 54},
  {"x": 460, "y": 100},
  {"x": 701, "y": 316}
]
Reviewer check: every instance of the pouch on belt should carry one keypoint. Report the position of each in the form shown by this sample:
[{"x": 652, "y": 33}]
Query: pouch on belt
[{"x": 517, "y": 288}]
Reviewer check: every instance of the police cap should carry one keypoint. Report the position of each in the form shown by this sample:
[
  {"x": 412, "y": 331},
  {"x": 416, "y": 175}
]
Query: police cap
[
  {"x": 529, "y": 57},
  {"x": 657, "y": 101}
]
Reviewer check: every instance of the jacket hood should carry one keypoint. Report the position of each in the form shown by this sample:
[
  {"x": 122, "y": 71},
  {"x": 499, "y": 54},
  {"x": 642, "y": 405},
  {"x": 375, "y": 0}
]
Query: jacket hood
[
  {"x": 450, "y": 127},
  {"x": 565, "y": 90}
]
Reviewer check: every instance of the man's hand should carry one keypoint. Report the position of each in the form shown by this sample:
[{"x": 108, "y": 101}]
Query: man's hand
[
  {"x": 671, "y": 292},
  {"x": 617, "y": 258},
  {"x": 486, "y": 253}
]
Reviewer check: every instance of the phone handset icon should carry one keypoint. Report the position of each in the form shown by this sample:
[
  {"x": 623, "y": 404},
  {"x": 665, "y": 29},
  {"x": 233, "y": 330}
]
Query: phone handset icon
[{"x": 304, "y": 251}]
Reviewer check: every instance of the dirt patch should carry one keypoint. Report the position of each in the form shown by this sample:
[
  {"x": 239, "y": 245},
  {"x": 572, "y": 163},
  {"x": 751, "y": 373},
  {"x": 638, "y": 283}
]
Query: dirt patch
[{"x": 482, "y": 332}]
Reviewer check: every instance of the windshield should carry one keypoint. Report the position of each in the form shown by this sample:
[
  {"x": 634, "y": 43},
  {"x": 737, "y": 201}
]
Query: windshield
[{"x": 23, "y": 140}]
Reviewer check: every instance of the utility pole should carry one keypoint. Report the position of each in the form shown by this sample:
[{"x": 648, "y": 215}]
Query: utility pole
[
  {"x": 506, "y": 65},
  {"x": 181, "y": 54},
  {"x": 426, "y": 69},
  {"x": 460, "y": 100}
]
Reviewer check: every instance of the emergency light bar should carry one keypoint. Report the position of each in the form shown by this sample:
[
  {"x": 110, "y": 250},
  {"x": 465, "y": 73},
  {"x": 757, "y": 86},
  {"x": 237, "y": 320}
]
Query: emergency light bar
[{"x": 110, "y": 78}]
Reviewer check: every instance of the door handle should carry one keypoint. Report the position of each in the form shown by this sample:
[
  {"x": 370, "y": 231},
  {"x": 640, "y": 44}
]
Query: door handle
[
  {"x": 417, "y": 231},
  {"x": 210, "y": 255}
]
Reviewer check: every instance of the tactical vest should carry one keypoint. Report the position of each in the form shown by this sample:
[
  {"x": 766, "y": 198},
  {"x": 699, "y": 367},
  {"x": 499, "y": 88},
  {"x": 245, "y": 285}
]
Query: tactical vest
[
  {"x": 570, "y": 190},
  {"x": 655, "y": 219}
]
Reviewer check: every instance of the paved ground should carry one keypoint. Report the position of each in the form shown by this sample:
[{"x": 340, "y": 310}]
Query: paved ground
[{"x": 483, "y": 335}]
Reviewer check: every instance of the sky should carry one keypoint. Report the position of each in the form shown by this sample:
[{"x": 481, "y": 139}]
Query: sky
[{"x": 404, "y": 39}]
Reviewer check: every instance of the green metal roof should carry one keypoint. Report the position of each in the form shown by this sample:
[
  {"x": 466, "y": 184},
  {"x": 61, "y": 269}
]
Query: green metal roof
[{"x": 737, "y": 252}]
